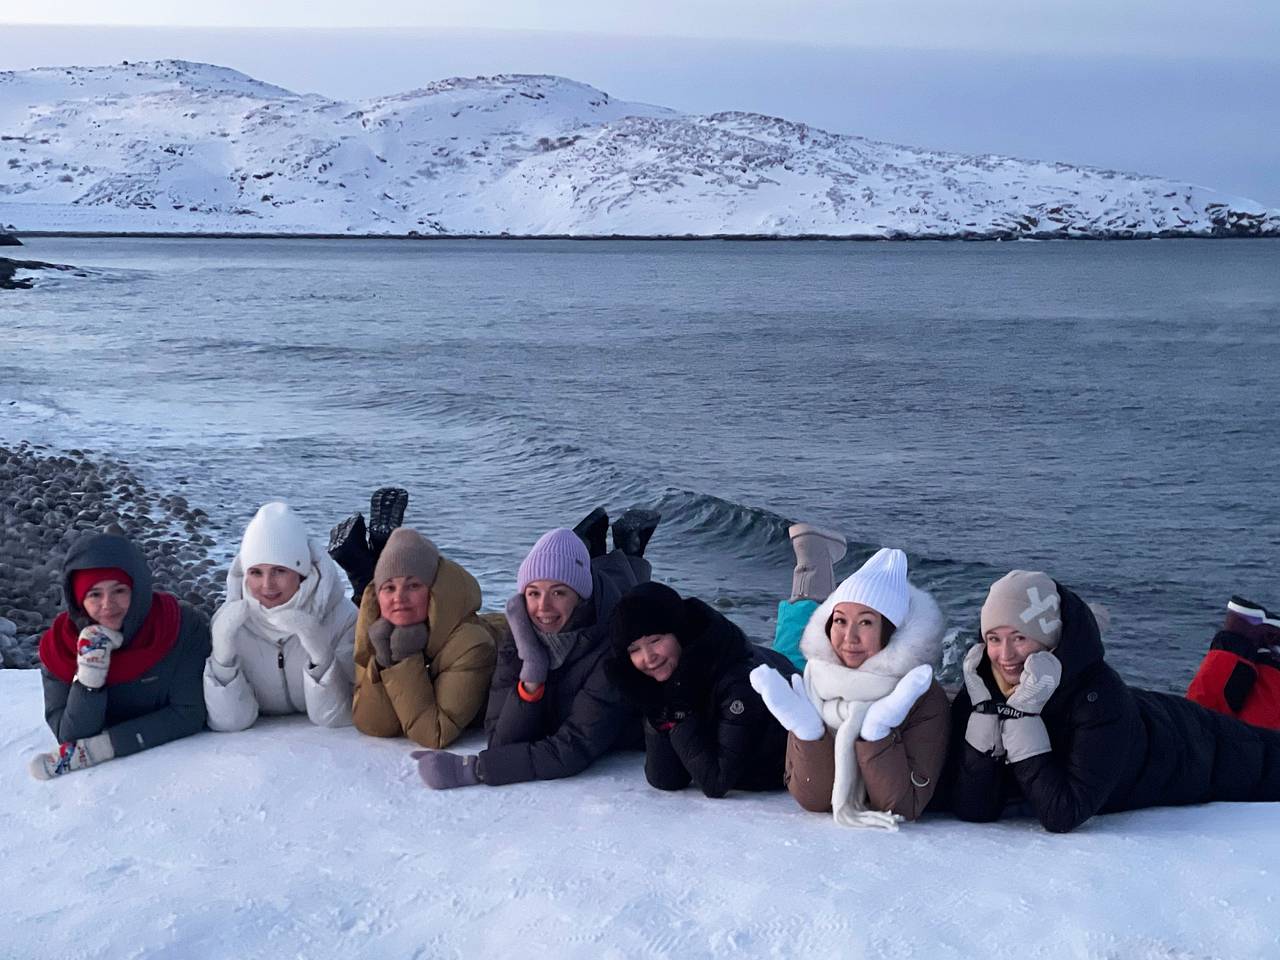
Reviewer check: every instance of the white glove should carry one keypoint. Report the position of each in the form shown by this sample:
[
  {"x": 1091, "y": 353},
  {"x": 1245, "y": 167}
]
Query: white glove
[
  {"x": 788, "y": 702},
  {"x": 1026, "y": 737},
  {"x": 93, "y": 654},
  {"x": 983, "y": 730},
  {"x": 310, "y": 634},
  {"x": 71, "y": 756},
  {"x": 226, "y": 624},
  {"x": 889, "y": 712}
]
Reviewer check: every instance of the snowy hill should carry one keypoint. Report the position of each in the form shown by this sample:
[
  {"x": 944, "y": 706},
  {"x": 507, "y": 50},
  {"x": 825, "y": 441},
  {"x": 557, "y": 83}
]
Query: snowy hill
[
  {"x": 290, "y": 840},
  {"x": 174, "y": 146}
]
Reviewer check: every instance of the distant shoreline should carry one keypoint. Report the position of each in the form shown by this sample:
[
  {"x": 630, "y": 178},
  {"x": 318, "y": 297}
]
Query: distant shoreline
[{"x": 688, "y": 238}]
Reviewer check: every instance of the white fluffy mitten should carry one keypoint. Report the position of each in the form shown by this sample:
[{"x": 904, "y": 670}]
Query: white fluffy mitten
[
  {"x": 93, "y": 654},
  {"x": 889, "y": 712},
  {"x": 227, "y": 621},
  {"x": 983, "y": 730},
  {"x": 1026, "y": 736},
  {"x": 71, "y": 756},
  {"x": 310, "y": 634},
  {"x": 788, "y": 702}
]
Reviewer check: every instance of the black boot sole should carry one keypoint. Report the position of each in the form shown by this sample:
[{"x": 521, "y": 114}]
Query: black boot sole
[
  {"x": 386, "y": 512},
  {"x": 632, "y": 530},
  {"x": 591, "y": 530},
  {"x": 347, "y": 545}
]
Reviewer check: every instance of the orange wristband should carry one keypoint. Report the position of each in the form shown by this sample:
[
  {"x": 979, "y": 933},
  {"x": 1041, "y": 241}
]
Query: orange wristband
[{"x": 530, "y": 697}]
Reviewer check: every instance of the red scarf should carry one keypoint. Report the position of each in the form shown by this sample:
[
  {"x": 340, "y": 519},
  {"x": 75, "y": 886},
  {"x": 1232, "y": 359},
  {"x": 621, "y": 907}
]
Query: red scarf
[{"x": 153, "y": 641}]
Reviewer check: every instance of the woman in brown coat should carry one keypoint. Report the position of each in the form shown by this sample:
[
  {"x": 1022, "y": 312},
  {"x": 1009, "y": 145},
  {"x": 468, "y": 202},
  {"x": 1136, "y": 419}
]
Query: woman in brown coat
[
  {"x": 423, "y": 657},
  {"x": 868, "y": 723}
]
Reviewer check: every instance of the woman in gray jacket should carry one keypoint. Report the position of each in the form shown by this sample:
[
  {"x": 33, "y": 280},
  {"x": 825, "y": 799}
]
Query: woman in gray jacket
[{"x": 122, "y": 664}]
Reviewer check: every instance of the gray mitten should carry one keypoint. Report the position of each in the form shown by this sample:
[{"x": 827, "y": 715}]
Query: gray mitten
[
  {"x": 1026, "y": 736},
  {"x": 72, "y": 756},
  {"x": 983, "y": 730},
  {"x": 380, "y": 641},
  {"x": 532, "y": 651},
  {"x": 408, "y": 642},
  {"x": 442, "y": 770},
  {"x": 93, "y": 654}
]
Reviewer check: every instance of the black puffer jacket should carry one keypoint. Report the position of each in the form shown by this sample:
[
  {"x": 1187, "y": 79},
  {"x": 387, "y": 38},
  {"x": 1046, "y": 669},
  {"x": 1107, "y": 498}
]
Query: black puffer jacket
[
  {"x": 1114, "y": 748},
  {"x": 580, "y": 716},
  {"x": 723, "y": 737}
]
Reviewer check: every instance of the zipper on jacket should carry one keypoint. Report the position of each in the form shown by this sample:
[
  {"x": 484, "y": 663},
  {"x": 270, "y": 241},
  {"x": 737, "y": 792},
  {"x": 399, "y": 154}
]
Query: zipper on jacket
[{"x": 284, "y": 679}]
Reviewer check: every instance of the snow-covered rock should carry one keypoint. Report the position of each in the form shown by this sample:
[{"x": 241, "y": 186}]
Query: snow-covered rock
[
  {"x": 173, "y": 146},
  {"x": 291, "y": 840}
]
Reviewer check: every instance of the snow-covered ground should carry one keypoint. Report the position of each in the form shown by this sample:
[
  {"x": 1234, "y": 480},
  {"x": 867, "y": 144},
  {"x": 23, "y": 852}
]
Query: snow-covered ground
[
  {"x": 173, "y": 146},
  {"x": 292, "y": 841}
]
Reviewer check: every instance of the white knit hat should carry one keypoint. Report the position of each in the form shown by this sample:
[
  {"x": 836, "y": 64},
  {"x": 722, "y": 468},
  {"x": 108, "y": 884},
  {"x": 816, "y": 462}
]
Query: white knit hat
[
  {"x": 276, "y": 536},
  {"x": 880, "y": 583}
]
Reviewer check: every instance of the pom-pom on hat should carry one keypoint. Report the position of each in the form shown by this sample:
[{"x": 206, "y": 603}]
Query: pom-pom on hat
[
  {"x": 276, "y": 537},
  {"x": 559, "y": 555},
  {"x": 644, "y": 611},
  {"x": 82, "y": 581},
  {"x": 880, "y": 583},
  {"x": 407, "y": 554},
  {"x": 1029, "y": 602}
]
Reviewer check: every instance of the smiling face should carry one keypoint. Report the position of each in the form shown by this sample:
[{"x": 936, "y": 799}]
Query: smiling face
[
  {"x": 107, "y": 602},
  {"x": 550, "y": 604},
  {"x": 1008, "y": 650},
  {"x": 656, "y": 656},
  {"x": 404, "y": 601},
  {"x": 271, "y": 585},
  {"x": 856, "y": 633}
]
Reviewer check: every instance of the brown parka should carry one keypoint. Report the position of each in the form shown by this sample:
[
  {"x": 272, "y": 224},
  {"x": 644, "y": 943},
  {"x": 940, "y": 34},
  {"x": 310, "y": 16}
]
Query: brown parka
[{"x": 429, "y": 699}]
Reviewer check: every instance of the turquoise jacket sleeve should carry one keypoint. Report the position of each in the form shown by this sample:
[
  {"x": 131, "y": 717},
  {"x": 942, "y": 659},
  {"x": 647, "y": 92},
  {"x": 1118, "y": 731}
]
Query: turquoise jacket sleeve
[{"x": 793, "y": 617}]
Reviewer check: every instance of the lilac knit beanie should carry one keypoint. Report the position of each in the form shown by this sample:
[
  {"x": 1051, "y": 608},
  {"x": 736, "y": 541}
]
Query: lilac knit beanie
[{"x": 560, "y": 556}]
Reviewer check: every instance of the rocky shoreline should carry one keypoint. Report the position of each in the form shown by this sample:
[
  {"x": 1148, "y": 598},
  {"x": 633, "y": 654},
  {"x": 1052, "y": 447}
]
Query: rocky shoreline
[{"x": 47, "y": 499}]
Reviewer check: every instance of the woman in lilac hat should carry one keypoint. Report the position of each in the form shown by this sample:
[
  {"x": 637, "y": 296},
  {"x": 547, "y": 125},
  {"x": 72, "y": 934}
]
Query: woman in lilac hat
[{"x": 552, "y": 709}]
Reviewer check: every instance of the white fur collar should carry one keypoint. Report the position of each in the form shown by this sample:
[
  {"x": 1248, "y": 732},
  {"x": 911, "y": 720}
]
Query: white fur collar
[{"x": 917, "y": 641}]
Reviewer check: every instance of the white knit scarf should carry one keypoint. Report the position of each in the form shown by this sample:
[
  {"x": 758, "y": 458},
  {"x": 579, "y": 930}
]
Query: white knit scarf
[{"x": 843, "y": 695}]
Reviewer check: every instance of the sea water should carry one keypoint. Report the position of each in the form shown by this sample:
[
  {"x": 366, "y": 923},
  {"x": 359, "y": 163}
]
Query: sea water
[{"x": 1106, "y": 412}]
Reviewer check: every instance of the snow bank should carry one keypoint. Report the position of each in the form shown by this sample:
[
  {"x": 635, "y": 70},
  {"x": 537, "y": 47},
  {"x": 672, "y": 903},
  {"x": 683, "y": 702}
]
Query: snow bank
[{"x": 289, "y": 840}]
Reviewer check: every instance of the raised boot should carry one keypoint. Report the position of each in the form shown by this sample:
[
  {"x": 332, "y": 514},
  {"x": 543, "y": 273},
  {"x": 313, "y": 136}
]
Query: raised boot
[
  {"x": 591, "y": 530},
  {"x": 386, "y": 512},
  {"x": 817, "y": 552},
  {"x": 632, "y": 530},
  {"x": 351, "y": 552}
]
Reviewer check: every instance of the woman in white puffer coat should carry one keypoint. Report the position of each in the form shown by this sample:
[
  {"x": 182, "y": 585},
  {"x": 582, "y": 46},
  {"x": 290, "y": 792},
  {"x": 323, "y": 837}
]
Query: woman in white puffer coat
[{"x": 283, "y": 641}]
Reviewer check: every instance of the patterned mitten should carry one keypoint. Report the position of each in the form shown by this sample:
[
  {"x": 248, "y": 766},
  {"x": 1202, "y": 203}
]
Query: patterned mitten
[
  {"x": 983, "y": 730},
  {"x": 1025, "y": 736},
  {"x": 532, "y": 651},
  {"x": 889, "y": 712},
  {"x": 788, "y": 702},
  {"x": 71, "y": 756},
  {"x": 93, "y": 654},
  {"x": 442, "y": 770}
]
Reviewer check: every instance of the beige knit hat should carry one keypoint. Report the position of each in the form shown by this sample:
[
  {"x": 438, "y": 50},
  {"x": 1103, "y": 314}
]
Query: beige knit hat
[
  {"x": 407, "y": 554},
  {"x": 1029, "y": 602}
]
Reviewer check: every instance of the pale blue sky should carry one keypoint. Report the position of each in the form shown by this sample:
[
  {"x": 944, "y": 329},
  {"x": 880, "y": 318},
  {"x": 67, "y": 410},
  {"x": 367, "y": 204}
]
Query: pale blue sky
[{"x": 1174, "y": 88}]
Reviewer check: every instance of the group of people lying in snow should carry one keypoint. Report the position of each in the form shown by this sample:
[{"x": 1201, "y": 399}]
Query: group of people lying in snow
[{"x": 591, "y": 655}]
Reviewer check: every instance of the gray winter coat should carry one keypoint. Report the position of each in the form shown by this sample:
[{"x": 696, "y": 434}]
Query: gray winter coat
[{"x": 166, "y": 702}]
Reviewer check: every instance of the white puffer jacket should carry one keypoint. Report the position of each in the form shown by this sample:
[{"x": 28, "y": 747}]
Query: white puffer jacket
[{"x": 271, "y": 671}]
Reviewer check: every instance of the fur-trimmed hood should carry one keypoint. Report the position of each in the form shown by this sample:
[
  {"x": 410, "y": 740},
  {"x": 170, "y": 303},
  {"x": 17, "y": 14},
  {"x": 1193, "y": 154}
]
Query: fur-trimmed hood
[{"x": 917, "y": 640}]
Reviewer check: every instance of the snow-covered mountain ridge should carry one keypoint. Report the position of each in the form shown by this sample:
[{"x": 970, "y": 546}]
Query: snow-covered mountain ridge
[{"x": 179, "y": 147}]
